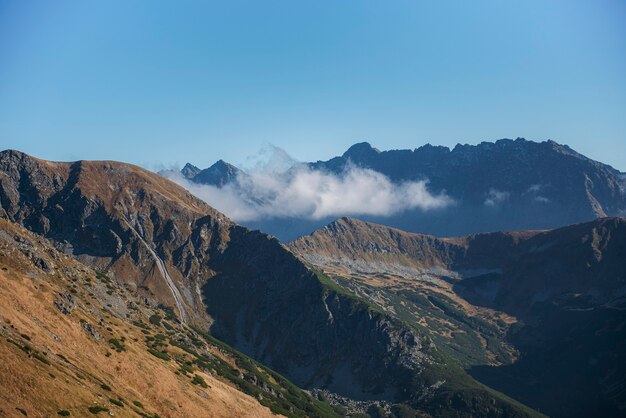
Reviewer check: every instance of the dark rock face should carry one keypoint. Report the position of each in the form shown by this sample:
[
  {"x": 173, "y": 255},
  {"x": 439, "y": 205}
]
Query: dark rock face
[
  {"x": 569, "y": 287},
  {"x": 509, "y": 184},
  {"x": 315, "y": 336}
]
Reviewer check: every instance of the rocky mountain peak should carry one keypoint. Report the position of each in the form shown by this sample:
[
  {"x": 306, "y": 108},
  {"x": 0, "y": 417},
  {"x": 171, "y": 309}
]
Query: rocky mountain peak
[
  {"x": 11, "y": 154},
  {"x": 189, "y": 171},
  {"x": 360, "y": 151},
  {"x": 219, "y": 174},
  {"x": 223, "y": 167}
]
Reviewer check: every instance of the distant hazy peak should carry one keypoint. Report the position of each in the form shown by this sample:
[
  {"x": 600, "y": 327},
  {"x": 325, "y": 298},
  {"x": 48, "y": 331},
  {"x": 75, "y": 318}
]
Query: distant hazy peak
[
  {"x": 222, "y": 165},
  {"x": 360, "y": 150},
  {"x": 219, "y": 174},
  {"x": 190, "y": 171}
]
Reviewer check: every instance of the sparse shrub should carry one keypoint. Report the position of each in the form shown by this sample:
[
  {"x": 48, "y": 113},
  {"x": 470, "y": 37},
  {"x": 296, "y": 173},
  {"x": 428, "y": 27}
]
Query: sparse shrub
[
  {"x": 117, "y": 403},
  {"x": 117, "y": 345},
  {"x": 169, "y": 312},
  {"x": 105, "y": 387},
  {"x": 26, "y": 337},
  {"x": 97, "y": 409},
  {"x": 159, "y": 354},
  {"x": 184, "y": 347},
  {"x": 140, "y": 324},
  {"x": 198, "y": 343},
  {"x": 64, "y": 413},
  {"x": 21, "y": 411},
  {"x": 138, "y": 404},
  {"x": 41, "y": 358},
  {"x": 185, "y": 368},
  {"x": 198, "y": 380},
  {"x": 155, "y": 319}
]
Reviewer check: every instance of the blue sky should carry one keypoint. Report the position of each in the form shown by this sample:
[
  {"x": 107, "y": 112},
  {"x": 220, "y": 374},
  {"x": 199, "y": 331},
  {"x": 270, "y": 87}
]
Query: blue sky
[{"x": 167, "y": 82}]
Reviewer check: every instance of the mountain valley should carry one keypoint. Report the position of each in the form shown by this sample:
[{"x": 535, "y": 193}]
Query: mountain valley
[{"x": 507, "y": 306}]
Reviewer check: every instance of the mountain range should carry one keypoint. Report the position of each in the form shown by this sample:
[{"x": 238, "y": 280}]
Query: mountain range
[
  {"x": 132, "y": 271},
  {"x": 241, "y": 286},
  {"x": 493, "y": 186}
]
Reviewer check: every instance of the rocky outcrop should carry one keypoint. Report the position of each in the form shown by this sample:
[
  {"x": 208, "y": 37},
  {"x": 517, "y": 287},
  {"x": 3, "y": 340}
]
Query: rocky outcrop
[{"x": 65, "y": 303}]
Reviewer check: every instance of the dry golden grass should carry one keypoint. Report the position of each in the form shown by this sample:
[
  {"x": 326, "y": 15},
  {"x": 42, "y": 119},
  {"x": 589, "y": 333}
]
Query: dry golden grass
[{"x": 65, "y": 368}]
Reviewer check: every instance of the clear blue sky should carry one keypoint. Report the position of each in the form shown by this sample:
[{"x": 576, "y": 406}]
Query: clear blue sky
[{"x": 175, "y": 81}]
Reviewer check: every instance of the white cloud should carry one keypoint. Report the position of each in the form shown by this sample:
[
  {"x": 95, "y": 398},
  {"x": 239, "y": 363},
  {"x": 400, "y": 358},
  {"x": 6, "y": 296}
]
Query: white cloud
[
  {"x": 313, "y": 194},
  {"x": 534, "y": 190},
  {"x": 496, "y": 197}
]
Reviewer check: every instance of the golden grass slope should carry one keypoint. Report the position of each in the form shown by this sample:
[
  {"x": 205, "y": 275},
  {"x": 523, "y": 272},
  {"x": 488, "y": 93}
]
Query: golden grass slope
[{"x": 53, "y": 362}]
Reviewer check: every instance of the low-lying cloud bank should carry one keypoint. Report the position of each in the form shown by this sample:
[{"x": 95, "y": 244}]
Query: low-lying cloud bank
[{"x": 302, "y": 192}]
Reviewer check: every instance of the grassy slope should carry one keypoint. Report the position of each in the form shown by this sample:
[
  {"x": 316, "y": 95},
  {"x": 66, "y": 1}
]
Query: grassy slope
[{"x": 461, "y": 395}]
